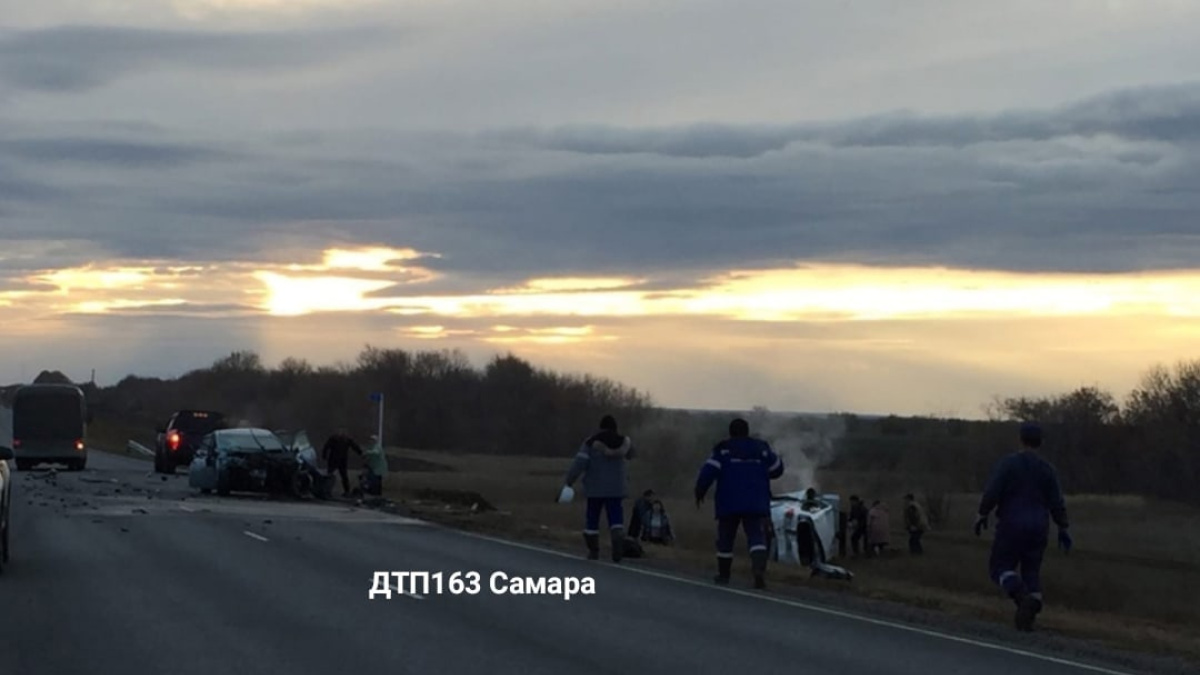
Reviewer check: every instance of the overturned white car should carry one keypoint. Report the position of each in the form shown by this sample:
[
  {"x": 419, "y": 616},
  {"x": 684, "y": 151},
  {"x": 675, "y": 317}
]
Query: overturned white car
[{"x": 804, "y": 531}]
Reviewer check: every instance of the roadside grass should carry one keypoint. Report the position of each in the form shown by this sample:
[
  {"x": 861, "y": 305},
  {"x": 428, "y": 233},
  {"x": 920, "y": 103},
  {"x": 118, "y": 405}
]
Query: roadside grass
[
  {"x": 1133, "y": 580},
  {"x": 110, "y": 436}
]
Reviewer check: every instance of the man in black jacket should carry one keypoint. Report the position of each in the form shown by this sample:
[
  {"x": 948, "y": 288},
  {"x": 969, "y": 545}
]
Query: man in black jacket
[
  {"x": 336, "y": 453},
  {"x": 858, "y": 524}
]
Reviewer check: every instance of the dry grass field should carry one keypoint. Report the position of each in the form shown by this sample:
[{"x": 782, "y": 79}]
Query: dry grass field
[{"x": 1132, "y": 581}]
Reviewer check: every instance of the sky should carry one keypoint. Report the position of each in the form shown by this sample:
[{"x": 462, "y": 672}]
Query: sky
[{"x": 876, "y": 206}]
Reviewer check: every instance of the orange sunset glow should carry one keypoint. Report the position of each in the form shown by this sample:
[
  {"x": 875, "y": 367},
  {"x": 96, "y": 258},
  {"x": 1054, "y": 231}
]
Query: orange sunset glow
[
  {"x": 805, "y": 293},
  {"x": 841, "y": 323}
]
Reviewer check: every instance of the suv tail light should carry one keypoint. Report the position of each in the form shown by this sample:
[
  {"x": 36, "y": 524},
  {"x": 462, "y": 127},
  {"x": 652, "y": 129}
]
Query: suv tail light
[
  {"x": 173, "y": 441},
  {"x": 79, "y": 445}
]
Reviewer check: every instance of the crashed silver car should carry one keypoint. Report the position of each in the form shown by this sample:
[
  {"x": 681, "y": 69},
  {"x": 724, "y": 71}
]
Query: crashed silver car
[
  {"x": 242, "y": 460},
  {"x": 804, "y": 531}
]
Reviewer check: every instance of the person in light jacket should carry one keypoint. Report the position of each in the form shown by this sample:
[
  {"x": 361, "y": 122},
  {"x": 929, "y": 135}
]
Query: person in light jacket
[
  {"x": 878, "y": 529},
  {"x": 602, "y": 462},
  {"x": 656, "y": 526}
]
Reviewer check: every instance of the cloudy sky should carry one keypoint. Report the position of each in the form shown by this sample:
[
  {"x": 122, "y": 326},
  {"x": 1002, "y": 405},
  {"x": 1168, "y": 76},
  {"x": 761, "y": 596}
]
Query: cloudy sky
[{"x": 872, "y": 206}]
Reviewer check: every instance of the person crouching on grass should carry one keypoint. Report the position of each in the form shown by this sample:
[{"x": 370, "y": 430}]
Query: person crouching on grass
[
  {"x": 601, "y": 461},
  {"x": 656, "y": 528}
]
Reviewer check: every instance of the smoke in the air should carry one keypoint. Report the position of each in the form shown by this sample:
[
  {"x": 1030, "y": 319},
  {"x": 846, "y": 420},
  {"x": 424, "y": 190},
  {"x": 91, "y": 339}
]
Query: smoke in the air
[{"x": 805, "y": 443}]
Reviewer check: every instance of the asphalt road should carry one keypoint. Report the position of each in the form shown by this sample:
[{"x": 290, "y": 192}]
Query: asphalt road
[{"x": 115, "y": 570}]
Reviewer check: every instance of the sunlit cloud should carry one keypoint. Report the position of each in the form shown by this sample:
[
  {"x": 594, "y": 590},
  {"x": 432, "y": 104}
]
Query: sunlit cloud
[
  {"x": 290, "y": 296},
  {"x": 108, "y": 306},
  {"x": 850, "y": 292},
  {"x": 93, "y": 278},
  {"x": 370, "y": 259},
  {"x": 561, "y": 335},
  {"x": 380, "y": 280},
  {"x": 200, "y": 9},
  {"x": 570, "y": 284},
  {"x": 434, "y": 332}
]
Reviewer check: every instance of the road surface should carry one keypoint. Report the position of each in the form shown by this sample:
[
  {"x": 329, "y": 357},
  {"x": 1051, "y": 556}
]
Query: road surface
[{"x": 117, "y": 570}]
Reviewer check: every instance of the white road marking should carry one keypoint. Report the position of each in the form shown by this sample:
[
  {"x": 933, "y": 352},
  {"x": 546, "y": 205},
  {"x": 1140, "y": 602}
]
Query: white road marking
[
  {"x": 812, "y": 608},
  {"x": 185, "y": 507},
  {"x": 254, "y": 536},
  {"x": 417, "y": 596}
]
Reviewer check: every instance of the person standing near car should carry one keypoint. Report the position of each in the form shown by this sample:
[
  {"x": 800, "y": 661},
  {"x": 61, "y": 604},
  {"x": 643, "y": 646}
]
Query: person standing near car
[
  {"x": 743, "y": 468},
  {"x": 336, "y": 453},
  {"x": 858, "y": 526}
]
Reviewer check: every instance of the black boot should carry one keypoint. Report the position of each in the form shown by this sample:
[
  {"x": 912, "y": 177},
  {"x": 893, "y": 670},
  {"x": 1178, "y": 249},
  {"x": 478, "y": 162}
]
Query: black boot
[
  {"x": 723, "y": 567},
  {"x": 1028, "y": 608},
  {"x": 593, "y": 545},
  {"x": 618, "y": 545},
  {"x": 758, "y": 564}
]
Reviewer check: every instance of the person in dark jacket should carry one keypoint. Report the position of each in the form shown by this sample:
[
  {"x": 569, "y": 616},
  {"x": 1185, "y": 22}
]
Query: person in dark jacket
[
  {"x": 915, "y": 523},
  {"x": 336, "y": 453},
  {"x": 1025, "y": 493},
  {"x": 641, "y": 508},
  {"x": 601, "y": 460},
  {"x": 858, "y": 524},
  {"x": 743, "y": 468}
]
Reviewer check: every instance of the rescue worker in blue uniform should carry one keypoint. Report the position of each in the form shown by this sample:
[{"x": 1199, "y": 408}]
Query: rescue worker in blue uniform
[
  {"x": 743, "y": 468},
  {"x": 1025, "y": 492}
]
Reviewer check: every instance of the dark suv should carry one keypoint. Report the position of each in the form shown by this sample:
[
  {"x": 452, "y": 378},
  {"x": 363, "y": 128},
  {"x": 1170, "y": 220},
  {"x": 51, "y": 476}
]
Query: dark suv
[{"x": 177, "y": 441}]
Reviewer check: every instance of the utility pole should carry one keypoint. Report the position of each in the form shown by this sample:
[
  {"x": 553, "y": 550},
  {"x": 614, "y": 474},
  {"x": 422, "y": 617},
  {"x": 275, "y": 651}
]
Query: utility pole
[{"x": 378, "y": 398}]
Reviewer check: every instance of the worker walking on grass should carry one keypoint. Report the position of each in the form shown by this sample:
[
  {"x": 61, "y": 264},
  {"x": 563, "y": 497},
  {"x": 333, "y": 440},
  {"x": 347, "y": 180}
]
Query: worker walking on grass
[
  {"x": 1026, "y": 494},
  {"x": 336, "y": 453},
  {"x": 743, "y": 468},
  {"x": 602, "y": 461}
]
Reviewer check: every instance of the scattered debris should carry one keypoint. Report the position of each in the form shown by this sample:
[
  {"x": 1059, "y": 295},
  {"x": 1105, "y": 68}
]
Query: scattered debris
[
  {"x": 461, "y": 498},
  {"x": 143, "y": 511}
]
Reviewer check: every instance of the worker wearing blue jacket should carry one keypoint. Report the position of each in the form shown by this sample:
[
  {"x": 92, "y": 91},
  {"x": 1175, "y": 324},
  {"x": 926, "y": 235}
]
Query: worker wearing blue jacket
[
  {"x": 1026, "y": 494},
  {"x": 742, "y": 468}
]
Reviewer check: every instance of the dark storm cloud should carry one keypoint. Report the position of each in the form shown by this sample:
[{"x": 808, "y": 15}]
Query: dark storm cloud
[
  {"x": 1107, "y": 184},
  {"x": 1169, "y": 114},
  {"x": 78, "y": 58},
  {"x": 110, "y": 152},
  {"x": 15, "y": 188}
]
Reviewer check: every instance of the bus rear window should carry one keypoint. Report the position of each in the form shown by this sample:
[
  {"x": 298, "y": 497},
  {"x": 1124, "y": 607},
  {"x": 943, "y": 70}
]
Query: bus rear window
[{"x": 48, "y": 416}]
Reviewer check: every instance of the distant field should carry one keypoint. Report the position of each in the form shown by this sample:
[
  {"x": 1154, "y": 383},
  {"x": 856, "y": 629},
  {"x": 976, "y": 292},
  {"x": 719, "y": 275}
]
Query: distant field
[{"x": 1133, "y": 579}]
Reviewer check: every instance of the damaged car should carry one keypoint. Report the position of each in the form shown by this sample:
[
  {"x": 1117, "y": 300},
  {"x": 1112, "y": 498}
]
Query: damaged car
[
  {"x": 804, "y": 530},
  {"x": 243, "y": 460}
]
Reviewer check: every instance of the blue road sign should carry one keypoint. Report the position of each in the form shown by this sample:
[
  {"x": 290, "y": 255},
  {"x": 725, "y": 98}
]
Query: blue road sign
[{"x": 376, "y": 397}]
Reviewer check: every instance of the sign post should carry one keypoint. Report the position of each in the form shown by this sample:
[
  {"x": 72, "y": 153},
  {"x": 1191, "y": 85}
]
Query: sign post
[{"x": 377, "y": 397}]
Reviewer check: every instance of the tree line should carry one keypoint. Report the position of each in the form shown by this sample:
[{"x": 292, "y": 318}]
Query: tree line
[
  {"x": 434, "y": 400},
  {"x": 1148, "y": 443}
]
